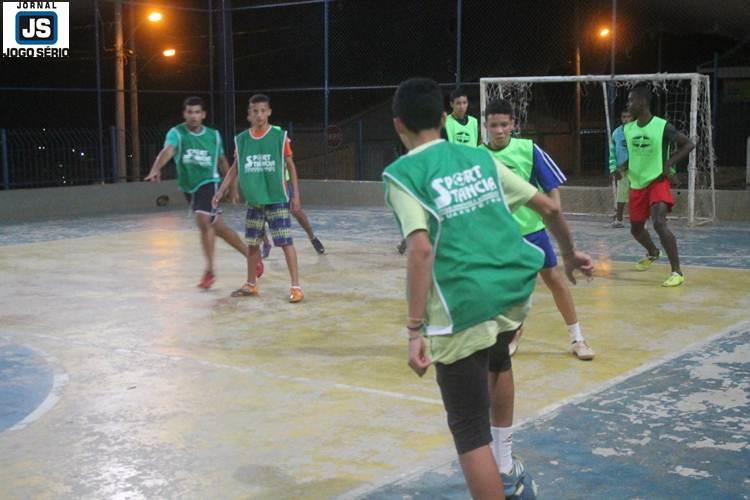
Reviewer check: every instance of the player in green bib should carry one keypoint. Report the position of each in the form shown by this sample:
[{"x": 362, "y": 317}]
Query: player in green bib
[
  {"x": 649, "y": 166},
  {"x": 262, "y": 158},
  {"x": 460, "y": 127},
  {"x": 198, "y": 152},
  {"x": 470, "y": 275},
  {"x": 533, "y": 165}
]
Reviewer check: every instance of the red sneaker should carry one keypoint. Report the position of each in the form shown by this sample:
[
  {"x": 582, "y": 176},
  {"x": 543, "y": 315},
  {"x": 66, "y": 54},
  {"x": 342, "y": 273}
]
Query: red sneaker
[
  {"x": 259, "y": 269},
  {"x": 207, "y": 280}
]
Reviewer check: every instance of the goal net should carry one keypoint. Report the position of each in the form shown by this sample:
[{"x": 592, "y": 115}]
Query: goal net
[{"x": 572, "y": 118}]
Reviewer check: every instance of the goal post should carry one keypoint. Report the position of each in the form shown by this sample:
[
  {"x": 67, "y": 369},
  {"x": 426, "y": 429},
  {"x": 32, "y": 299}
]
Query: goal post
[{"x": 545, "y": 110}]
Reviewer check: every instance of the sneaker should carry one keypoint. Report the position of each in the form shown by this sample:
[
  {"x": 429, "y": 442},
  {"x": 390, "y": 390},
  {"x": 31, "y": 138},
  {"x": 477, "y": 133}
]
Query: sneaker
[
  {"x": 318, "y": 246},
  {"x": 514, "y": 478},
  {"x": 645, "y": 263},
  {"x": 401, "y": 247},
  {"x": 616, "y": 224},
  {"x": 513, "y": 346},
  {"x": 582, "y": 351},
  {"x": 266, "y": 250},
  {"x": 259, "y": 268},
  {"x": 207, "y": 280},
  {"x": 675, "y": 279},
  {"x": 246, "y": 290},
  {"x": 296, "y": 295}
]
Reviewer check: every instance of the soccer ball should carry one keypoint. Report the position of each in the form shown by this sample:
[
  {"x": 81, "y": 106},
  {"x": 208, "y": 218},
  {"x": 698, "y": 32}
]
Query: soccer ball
[{"x": 526, "y": 489}]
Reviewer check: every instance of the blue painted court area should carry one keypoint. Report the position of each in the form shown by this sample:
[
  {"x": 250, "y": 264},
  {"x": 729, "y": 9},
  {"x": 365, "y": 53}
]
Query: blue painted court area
[
  {"x": 25, "y": 381},
  {"x": 679, "y": 430}
]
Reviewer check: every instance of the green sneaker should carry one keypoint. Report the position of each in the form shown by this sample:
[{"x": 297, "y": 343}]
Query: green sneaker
[
  {"x": 675, "y": 279},
  {"x": 645, "y": 263}
]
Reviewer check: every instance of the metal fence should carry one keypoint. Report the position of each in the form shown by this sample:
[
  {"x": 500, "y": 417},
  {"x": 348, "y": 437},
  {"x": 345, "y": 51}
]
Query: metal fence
[{"x": 330, "y": 68}]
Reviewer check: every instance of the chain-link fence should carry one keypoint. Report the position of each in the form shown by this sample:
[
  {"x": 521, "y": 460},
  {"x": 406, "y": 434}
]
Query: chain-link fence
[{"x": 330, "y": 68}]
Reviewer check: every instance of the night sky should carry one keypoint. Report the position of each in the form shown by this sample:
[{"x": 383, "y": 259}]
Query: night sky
[{"x": 372, "y": 42}]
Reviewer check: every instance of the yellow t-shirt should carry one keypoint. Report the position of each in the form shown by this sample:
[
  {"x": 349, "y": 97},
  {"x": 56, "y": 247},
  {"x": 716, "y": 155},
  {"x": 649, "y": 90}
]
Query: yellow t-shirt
[{"x": 448, "y": 349}]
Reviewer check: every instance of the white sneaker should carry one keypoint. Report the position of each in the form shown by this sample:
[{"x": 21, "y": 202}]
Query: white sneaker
[
  {"x": 582, "y": 351},
  {"x": 513, "y": 346}
]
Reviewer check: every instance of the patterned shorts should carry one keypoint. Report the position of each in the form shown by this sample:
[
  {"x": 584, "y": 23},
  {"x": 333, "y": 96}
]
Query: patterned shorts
[{"x": 277, "y": 216}]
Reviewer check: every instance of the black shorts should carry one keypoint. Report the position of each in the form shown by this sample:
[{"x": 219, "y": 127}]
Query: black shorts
[
  {"x": 465, "y": 392},
  {"x": 201, "y": 199}
]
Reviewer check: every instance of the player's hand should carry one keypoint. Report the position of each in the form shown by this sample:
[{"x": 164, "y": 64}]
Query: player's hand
[
  {"x": 216, "y": 200},
  {"x": 419, "y": 361},
  {"x": 619, "y": 174},
  {"x": 582, "y": 262},
  {"x": 296, "y": 204},
  {"x": 153, "y": 176}
]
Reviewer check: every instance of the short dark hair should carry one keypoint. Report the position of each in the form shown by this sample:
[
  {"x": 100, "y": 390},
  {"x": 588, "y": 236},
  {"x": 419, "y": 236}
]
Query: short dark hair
[
  {"x": 643, "y": 91},
  {"x": 418, "y": 103},
  {"x": 194, "y": 101},
  {"x": 258, "y": 98},
  {"x": 499, "y": 107},
  {"x": 456, "y": 93}
]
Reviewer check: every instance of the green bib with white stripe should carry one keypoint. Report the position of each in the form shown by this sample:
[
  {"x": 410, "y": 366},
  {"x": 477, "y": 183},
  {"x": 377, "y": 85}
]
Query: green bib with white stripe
[
  {"x": 518, "y": 156},
  {"x": 482, "y": 266},
  {"x": 261, "y": 168},
  {"x": 462, "y": 134},
  {"x": 197, "y": 157}
]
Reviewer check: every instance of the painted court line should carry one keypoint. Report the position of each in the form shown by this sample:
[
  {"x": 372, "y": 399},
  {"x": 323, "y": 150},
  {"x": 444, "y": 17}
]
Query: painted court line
[
  {"x": 59, "y": 381},
  {"x": 253, "y": 371},
  {"x": 450, "y": 457}
]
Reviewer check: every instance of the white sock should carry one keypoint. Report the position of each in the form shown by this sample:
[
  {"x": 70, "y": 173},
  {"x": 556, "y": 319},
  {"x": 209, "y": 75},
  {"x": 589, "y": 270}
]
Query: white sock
[
  {"x": 574, "y": 331},
  {"x": 502, "y": 448}
]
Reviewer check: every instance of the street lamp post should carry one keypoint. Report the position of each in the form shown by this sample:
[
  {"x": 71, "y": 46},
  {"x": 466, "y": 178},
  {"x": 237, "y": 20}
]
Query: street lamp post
[{"x": 135, "y": 129}]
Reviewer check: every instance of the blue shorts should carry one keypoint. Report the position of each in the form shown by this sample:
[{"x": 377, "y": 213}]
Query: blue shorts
[{"x": 541, "y": 239}]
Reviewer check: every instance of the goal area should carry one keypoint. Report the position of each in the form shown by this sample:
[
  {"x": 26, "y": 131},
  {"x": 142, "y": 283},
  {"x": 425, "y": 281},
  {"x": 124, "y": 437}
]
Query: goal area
[{"x": 572, "y": 118}]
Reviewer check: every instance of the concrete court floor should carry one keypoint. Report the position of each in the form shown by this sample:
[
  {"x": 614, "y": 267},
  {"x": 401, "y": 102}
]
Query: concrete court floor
[{"x": 122, "y": 380}]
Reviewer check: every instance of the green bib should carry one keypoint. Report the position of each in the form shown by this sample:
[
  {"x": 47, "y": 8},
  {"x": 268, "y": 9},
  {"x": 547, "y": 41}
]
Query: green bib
[
  {"x": 261, "y": 167},
  {"x": 462, "y": 134},
  {"x": 645, "y": 153},
  {"x": 518, "y": 156},
  {"x": 197, "y": 157},
  {"x": 482, "y": 265}
]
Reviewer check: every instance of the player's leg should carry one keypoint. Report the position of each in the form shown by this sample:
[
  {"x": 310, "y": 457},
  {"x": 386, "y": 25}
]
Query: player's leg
[
  {"x": 623, "y": 187},
  {"x": 208, "y": 239},
  {"x": 668, "y": 241},
  {"x": 565, "y": 304},
  {"x": 279, "y": 222},
  {"x": 229, "y": 235},
  {"x": 303, "y": 221},
  {"x": 254, "y": 221},
  {"x": 502, "y": 395},
  {"x": 463, "y": 386},
  {"x": 638, "y": 205},
  {"x": 200, "y": 202}
]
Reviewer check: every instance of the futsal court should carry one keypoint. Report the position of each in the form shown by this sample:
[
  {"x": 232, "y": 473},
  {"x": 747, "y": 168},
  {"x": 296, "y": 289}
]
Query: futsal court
[{"x": 120, "y": 379}]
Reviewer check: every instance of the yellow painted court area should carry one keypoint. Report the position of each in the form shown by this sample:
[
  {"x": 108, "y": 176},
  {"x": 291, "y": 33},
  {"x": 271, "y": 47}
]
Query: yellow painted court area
[{"x": 183, "y": 393}]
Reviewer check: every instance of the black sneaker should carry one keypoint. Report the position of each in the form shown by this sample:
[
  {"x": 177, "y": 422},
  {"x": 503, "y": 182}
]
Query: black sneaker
[{"x": 318, "y": 246}]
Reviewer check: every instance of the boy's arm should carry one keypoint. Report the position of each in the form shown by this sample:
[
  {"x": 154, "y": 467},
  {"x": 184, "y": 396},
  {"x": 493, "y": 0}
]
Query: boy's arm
[
  {"x": 612, "y": 155},
  {"x": 419, "y": 281},
  {"x": 166, "y": 154},
  {"x": 518, "y": 193},
  {"x": 295, "y": 201},
  {"x": 414, "y": 224},
  {"x": 684, "y": 147},
  {"x": 225, "y": 185},
  {"x": 549, "y": 208}
]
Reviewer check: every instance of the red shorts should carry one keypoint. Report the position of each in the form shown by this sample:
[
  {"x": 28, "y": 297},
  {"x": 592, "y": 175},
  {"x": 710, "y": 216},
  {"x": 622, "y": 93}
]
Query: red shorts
[{"x": 641, "y": 200}]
